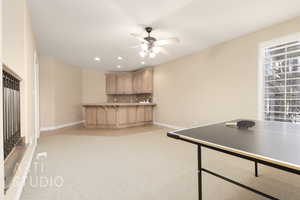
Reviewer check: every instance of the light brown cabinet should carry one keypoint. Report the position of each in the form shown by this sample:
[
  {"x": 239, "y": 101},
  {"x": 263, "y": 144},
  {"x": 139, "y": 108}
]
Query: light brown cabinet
[
  {"x": 116, "y": 116},
  {"x": 124, "y": 83},
  {"x": 90, "y": 116},
  {"x": 111, "y": 115},
  {"x": 131, "y": 114},
  {"x": 147, "y": 81},
  {"x": 148, "y": 114},
  {"x": 111, "y": 83},
  {"x": 122, "y": 115},
  {"x": 140, "y": 113},
  {"x": 143, "y": 81},
  {"x": 137, "y": 82},
  {"x": 101, "y": 115}
]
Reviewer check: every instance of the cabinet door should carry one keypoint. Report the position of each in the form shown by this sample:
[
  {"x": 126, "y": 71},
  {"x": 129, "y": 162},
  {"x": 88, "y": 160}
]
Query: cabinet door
[
  {"x": 111, "y": 83},
  {"x": 124, "y": 82},
  {"x": 140, "y": 114},
  {"x": 131, "y": 111},
  {"x": 148, "y": 113},
  {"x": 147, "y": 81},
  {"x": 91, "y": 116},
  {"x": 101, "y": 116},
  {"x": 120, "y": 83},
  {"x": 128, "y": 83},
  {"x": 122, "y": 115},
  {"x": 138, "y": 82},
  {"x": 111, "y": 115},
  {"x": 134, "y": 82}
]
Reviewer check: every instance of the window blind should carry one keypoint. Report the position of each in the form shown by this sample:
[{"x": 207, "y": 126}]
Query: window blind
[{"x": 282, "y": 82}]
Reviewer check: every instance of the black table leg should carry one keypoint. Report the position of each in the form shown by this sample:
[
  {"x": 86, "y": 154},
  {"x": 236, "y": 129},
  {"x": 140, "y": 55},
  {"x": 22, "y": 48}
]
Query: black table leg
[
  {"x": 199, "y": 172},
  {"x": 256, "y": 169}
]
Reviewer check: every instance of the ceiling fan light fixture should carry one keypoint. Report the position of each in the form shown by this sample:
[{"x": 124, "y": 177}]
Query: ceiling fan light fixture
[
  {"x": 151, "y": 46},
  {"x": 143, "y": 54},
  {"x": 156, "y": 50},
  {"x": 152, "y": 55},
  {"x": 144, "y": 46}
]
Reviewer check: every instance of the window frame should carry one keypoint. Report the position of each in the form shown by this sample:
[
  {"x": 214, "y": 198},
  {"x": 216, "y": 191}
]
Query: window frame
[{"x": 261, "y": 72}]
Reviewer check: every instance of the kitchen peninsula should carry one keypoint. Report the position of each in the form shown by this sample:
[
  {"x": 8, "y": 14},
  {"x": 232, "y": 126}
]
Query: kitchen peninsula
[
  {"x": 129, "y": 101},
  {"x": 118, "y": 115}
]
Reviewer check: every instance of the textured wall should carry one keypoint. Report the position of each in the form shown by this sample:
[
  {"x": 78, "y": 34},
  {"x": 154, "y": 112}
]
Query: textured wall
[
  {"x": 93, "y": 86},
  {"x": 18, "y": 49},
  {"x": 60, "y": 93},
  {"x": 216, "y": 84}
]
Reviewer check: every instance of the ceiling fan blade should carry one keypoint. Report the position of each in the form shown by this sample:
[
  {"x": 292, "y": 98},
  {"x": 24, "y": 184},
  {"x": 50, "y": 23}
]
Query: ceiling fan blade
[
  {"x": 138, "y": 36},
  {"x": 163, "y": 51},
  {"x": 167, "y": 41},
  {"x": 135, "y": 47}
]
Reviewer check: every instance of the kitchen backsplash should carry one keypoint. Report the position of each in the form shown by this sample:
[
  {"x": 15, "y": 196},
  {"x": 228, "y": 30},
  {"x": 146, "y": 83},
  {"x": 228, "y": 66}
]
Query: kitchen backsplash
[{"x": 132, "y": 98}]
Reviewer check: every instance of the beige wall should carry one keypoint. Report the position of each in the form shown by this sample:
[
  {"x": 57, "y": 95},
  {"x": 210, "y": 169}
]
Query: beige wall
[
  {"x": 47, "y": 106},
  {"x": 216, "y": 84},
  {"x": 64, "y": 88},
  {"x": 18, "y": 48},
  {"x": 67, "y": 93},
  {"x": 93, "y": 86},
  {"x": 60, "y": 93},
  {"x": 18, "y": 55},
  {"x": 30, "y": 51},
  {"x": 13, "y": 35},
  {"x": 1, "y": 111}
]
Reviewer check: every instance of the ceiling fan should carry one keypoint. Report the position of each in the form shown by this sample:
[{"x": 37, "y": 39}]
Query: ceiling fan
[{"x": 150, "y": 46}]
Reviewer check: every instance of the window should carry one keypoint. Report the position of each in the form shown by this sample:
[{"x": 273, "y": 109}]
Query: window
[{"x": 281, "y": 81}]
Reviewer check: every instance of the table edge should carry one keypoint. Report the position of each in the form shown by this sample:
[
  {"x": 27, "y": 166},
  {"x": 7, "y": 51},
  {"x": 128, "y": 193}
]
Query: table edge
[{"x": 174, "y": 135}]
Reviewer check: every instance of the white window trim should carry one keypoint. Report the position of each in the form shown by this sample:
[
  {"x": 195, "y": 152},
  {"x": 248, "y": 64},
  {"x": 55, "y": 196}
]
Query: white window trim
[{"x": 261, "y": 73}]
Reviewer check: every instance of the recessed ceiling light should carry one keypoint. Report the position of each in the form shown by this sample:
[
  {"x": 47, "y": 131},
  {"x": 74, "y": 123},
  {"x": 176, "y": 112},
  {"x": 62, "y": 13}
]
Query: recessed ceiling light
[
  {"x": 97, "y": 59},
  {"x": 119, "y": 66},
  {"x": 120, "y": 58},
  {"x": 143, "y": 63}
]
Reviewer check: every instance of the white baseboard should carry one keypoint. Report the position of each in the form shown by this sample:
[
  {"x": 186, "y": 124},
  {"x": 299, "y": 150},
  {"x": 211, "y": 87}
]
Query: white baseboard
[
  {"x": 52, "y": 128},
  {"x": 167, "y": 125},
  {"x": 16, "y": 187}
]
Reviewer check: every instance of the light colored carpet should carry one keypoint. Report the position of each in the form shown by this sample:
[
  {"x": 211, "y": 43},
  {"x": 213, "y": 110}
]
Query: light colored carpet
[{"x": 143, "y": 164}]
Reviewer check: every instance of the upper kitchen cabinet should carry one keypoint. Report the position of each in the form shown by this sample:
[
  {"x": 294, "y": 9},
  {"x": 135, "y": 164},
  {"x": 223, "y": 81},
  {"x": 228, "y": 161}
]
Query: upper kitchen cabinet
[
  {"x": 118, "y": 83},
  {"x": 111, "y": 83},
  {"x": 138, "y": 82},
  {"x": 147, "y": 81},
  {"x": 124, "y": 83},
  {"x": 143, "y": 81}
]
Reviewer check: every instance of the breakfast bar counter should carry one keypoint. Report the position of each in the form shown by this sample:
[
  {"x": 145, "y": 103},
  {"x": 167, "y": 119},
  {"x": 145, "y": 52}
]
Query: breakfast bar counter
[
  {"x": 118, "y": 115},
  {"x": 119, "y": 104}
]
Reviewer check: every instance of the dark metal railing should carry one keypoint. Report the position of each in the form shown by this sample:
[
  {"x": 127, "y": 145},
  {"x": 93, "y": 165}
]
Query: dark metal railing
[{"x": 11, "y": 112}]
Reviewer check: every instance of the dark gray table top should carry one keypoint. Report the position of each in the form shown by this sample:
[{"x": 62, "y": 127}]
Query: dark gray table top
[{"x": 277, "y": 142}]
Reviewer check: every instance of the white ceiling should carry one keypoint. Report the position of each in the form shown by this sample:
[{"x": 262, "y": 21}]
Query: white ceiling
[{"x": 76, "y": 31}]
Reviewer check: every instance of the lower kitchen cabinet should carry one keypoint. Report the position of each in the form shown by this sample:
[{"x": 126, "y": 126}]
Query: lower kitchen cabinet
[
  {"x": 148, "y": 114},
  {"x": 118, "y": 116},
  {"x": 90, "y": 116}
]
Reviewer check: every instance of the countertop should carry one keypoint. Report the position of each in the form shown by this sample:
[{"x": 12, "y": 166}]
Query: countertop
[{"x": 118, "y": 104}]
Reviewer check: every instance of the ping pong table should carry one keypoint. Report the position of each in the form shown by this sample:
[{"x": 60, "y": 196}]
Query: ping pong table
[{"x": 274, "y": 144}]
